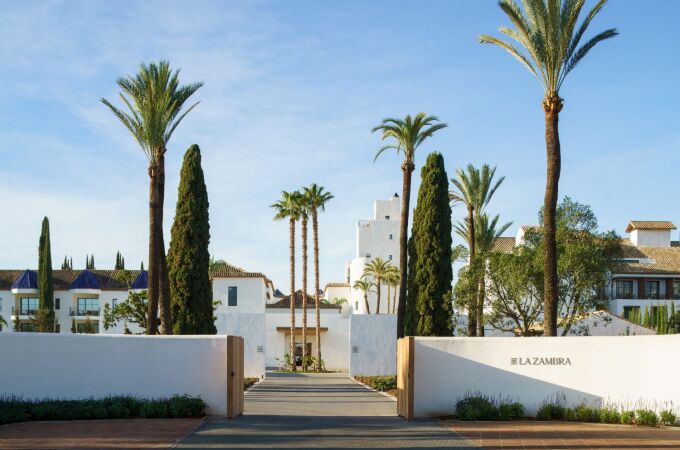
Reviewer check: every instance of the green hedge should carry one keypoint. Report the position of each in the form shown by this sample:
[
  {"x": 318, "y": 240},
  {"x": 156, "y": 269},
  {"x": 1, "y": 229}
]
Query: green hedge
[{"x": 13, "y": 409}]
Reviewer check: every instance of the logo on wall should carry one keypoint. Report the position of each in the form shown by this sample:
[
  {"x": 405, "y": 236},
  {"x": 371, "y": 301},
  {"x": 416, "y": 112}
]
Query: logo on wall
[{"x": 538, "y": 361}]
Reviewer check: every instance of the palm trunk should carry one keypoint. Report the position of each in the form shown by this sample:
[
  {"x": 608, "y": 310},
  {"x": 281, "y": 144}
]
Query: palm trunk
[
  {"x": 315, "y": 232},
  {"x": 152, "y": 291},
  {"x": 394, "y": 298},
  {"x": 368, "y": 307},
  {"x": 377, "y": 293},
  {"x": 481, "y": 293},
  {"x": 472, "y": 310},
  {"x": 552, "y": 105},
  {"x": 407, "y": 169},
  {"x": 292, "y": 295},
  {"x": 389, "y": 292},
  {"x": 304, "y": 293}
]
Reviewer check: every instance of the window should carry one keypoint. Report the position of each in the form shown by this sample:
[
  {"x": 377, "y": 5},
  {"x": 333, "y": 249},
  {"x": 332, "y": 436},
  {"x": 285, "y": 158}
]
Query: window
[
  {"x": 57, "y": 328},
  {"x": 368, "y": 255},
  {"x": 390, "y": 237},
  {"x": 624, "y": 289},
  {"x": 652, "y": 289},
  {"x": 628, "y": 310},
  {"x": 387, "y": 217},
  {"x": 232, "y": 298},
  {"x": 26, "y": 327},
  {"x": 389, "y": 257},
  {"x": 88, "y": 327},
  {"x": 28, "y": 306},
  {"x": 114, "y": 303},
  {"x": 87, "y": 307},
  {"x": 57, "y": 303},
  {"x": 676, "y": 290},
  {"x": 0, "y": 305}
]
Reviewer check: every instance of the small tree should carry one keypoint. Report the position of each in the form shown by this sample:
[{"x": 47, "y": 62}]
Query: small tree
[
  {"x": 133, "y": 310},
  {"x": 73, "y": 326},
  {"x": 44, "y": 316},
  {"x": 646, "y": 321},
  {"x": 188, "y": 257}
]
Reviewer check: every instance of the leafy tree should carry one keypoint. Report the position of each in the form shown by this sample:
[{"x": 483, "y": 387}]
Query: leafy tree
[
  {"x": 316, "y": 197},
  {"x": 188, "y": 256},
  {"x": 432, "y": 241},
  {"x": 475, "y": 188},
  {"x": 133, "y": 310},
  {"x": 44, "y": 317},
  {"x": 155, "y": 100},
  {"x": 287, "y": 208},
  {"x": 407, "y": 135},
  {"x": 379, "y": 269},
  {"x": 547, "y": 31},
  {"x": 364, "y": 286}
]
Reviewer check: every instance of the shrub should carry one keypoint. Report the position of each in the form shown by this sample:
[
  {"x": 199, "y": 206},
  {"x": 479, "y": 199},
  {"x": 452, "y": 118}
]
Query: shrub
[
  {"x": 379, "y": 383},
  {"x": 551, "y": 411},
  {"x": 609, "y": 415},
  {"x": 508, "y": 411},
  {"x": 666, "y": 417},
  {"x": 583, "y": 413},
  {"x": 569, "y": 414},
  {"x": 249, "y": 382},
  {"x": 628, "y": 417},
  {"x": 14, "y": 409},
  {"x": 477, "y": 407},
  {"x": 646, "y": 417}
]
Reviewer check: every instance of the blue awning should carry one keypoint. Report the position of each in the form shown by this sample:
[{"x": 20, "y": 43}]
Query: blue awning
[
  {"x": 142, "y": 281},
  {"x": 27, "y": 280},
  {"x": 86, "y": 280}
]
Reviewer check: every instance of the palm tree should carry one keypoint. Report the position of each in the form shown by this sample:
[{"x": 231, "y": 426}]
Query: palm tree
[
  {"x": 364, "y": 286},
  {"x": 547, "y": 31},
  {"x": 317, "y": 197},
  {"x": 302, "y": 206},
  {"x": 475, "y": 189},
  {"x": 379, "y": 269},
  {"x": 486, "y": 234},
  {"x": 287, "y": 208},
  {"x": 392, "y": 281},
  {"x": 154, "y": 100},
  {"x": 408, "y": 134}
]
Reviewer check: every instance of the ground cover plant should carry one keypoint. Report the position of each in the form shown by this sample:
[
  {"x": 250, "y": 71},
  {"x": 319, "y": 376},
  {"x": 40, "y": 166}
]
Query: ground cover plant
[
  {"x": 249, "y": 382},
  {"x": 387, "y": 384},
  {"x": 16, "y": 409}
]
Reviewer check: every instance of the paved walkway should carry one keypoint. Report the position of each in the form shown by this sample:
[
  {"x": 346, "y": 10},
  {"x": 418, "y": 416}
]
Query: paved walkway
[{"x": 319, "y": 411}]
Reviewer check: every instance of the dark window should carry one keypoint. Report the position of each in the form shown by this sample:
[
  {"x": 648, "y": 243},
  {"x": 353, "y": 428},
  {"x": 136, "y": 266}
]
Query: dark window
[
  {"x": 57, "y": 328},
  {"x": 628, "y": 310},
  {"x": 114, "y": 303},
  {"x": 57, "y": 303},
  {"x": 28, "y": 306},
  {"x": 387, "y": 217},
  {"x": 624, "y": 289},
  {"x": 26, "y": 327},
  {"x": 368, "y": 255},
  {"x": 232, "y": 298},
  {"x": 87, "y": 307},
  {"x": 676, "y": 290},
  {"x": 390, "y": 237},
  {"x": 389, "y": 257},
  {"x": 652, "y": 289}
]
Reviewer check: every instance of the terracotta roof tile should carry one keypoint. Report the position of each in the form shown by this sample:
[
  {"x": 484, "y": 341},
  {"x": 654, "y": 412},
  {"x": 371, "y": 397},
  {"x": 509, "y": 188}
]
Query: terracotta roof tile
[
  {"x": 336, "y": 285},
  {"x": 504, "y": 244},
  {"x": 284, "y": 303},
  {"x": 650, "y": 225},
  {"x": 231, "y": 271},
  {"x": 648, "y": 260}
]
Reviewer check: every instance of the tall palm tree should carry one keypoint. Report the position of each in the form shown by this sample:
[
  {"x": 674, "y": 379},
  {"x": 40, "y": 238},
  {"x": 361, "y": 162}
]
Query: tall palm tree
[
  {"x": 154, "y": 101},
  {"x": 379, "y": 269},
  {"x": 287, "y": 208},
  {"x": 475, "y": 188},
  {"x": 363, "y": 285},
  {"x": 547, "y": 31},
  {"x": 302, "y": 206},
  {"x": 317, "y": 197},
  {"x": 487, "y": 231},
  {"x": 407, "y": 134}
]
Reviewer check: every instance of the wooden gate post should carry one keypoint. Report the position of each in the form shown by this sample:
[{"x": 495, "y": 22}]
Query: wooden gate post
[
  {"x": 234, "y": 376},
  {"x": 405, "y": 366}
]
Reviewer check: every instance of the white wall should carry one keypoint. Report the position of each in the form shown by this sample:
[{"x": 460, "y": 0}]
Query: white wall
[
  {"x": 373, "y": 345},
  {"x": 629, "y": 371},
  {"x": 250, "y": 326},
  {"x": 651, "y": 238},
  {"x": 74, "y": 366},
  {"x": 251, "y": 294}
]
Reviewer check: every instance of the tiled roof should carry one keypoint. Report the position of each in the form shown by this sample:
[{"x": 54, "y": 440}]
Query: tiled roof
[
  {"x": 650, "y": 225},
  {"x": 27, "y": 280},
  {"x": 108, "y": 280},
  {"x": 336, "y": 285},
  {"x": 85, "y": 280},
  {"x": 648, "y": 260},
  {"x": 227, "y": 270},
  {"x": 503, "y": 244},
  {"x": 284, "y": 303},
  {"x": 142, "y": 280}
]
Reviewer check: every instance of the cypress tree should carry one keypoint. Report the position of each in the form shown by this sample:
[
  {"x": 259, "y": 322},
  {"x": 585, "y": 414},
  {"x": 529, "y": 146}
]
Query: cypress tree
[
  {"x": 645, "y": 319},
  {"x": 44, "y": 320},
  {"x": 188, "y": 257},
  {"x": 431, "y": 234},
  {"x": 410, "y": 313},
  {"x": 141, "y": 267}
]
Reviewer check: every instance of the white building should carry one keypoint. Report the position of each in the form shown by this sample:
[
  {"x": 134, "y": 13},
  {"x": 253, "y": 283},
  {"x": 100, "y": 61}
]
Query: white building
[{"x": 376, "y": 237}]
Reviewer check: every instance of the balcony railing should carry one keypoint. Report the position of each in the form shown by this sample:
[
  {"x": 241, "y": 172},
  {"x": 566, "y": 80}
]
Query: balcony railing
[
  {"x": 364, "y": 223},
  {"x": 82, "y": 312},
  {"x": 24, "y": 311}
]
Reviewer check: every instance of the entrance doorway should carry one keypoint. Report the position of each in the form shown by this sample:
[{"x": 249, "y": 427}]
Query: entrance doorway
[{"x": 298, "y": 352}]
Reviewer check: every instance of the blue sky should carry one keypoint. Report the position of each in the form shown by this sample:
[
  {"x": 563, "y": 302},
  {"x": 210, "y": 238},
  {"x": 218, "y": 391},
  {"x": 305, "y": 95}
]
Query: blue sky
[{"x": 292, "y": 89}]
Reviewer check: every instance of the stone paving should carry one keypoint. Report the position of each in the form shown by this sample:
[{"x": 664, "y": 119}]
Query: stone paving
[{"x": 319, "y": 411}]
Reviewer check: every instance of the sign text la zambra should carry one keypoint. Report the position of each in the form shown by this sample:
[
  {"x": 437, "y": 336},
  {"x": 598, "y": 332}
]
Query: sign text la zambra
[{"x": 538, "y": 361}]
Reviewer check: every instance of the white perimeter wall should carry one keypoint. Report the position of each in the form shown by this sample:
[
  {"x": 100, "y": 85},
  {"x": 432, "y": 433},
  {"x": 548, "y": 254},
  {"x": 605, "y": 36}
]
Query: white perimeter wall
[
  {"x": 74, "y": 366},
  {"x": 250, "y": 326},
  {"x": 373, "y": 344},
  {"x": 628, "y": 371}
]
